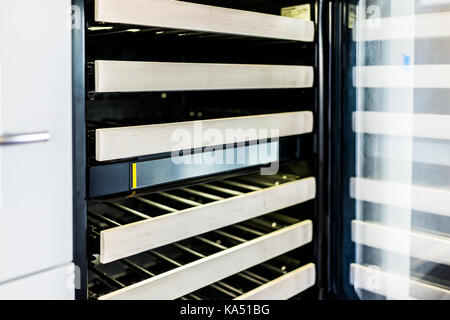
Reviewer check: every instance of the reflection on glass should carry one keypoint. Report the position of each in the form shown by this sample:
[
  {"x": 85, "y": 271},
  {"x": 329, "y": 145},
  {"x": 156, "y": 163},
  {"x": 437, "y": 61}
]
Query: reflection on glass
[{"x": 400, "y": 105}]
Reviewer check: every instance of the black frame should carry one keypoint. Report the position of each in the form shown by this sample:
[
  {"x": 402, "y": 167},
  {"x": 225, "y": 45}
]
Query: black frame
[
  {"x": 321, "y": 146},
  {"x": 79, "y": 154},
  {"x": 342, "y": 248}
]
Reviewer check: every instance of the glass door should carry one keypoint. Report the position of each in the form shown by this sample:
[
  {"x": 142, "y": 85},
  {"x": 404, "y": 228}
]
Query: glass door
[{"x": 394, "y": 155}]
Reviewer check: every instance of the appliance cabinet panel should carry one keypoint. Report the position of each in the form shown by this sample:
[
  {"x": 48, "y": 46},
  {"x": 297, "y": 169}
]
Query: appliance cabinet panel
[
  {"x": 54, "y": 284},
  {"x": 35, "y": 137}
]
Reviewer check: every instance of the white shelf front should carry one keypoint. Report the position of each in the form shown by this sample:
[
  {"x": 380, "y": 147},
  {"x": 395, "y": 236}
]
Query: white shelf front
[
  {"x": 127, "y": 240},
  {"x": 138, "y": 76},
  {"x": 197, "y": 17},
  {"x": 126, "y": 142},
  {"x": 198, "y": 274},
  {"x": 284, "y": 287}
]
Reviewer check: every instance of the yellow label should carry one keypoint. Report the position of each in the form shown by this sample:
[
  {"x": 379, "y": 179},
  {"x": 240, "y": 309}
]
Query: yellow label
[
  {"x": 351, "y": 16},
  {"x": 134, "y": 174},
  {"x": 302, "y": 12}
]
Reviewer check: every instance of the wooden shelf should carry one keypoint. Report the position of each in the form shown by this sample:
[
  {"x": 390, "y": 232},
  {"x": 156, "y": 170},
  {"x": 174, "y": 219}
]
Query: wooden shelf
[
  {"x": 136, "y": 76},
  {"x": 284, "y": 287},
  {"x": 205, "y": 271},
  {"x": 197, "y": 17},
  {"x": 126, "y": 240},
  {"x": 126, "y": 142}
]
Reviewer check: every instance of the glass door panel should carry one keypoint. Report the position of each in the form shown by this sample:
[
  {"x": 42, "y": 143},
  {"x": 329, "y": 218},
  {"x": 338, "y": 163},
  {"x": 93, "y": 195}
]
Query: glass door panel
[{"x": 396, "y": 149}]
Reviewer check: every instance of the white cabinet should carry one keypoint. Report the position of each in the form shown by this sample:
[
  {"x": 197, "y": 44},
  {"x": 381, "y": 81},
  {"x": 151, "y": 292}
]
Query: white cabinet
[
  {"x": 35, "y": 96},
  {"x": 54, "y": 284}
]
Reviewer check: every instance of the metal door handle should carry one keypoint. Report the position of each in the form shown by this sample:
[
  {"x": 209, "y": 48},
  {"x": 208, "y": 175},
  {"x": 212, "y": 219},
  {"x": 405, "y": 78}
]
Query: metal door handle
[{"x": 22, "y": 138}]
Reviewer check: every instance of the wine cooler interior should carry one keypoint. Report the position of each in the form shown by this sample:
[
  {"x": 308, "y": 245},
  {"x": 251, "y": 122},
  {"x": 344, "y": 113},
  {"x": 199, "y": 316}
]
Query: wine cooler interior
[
  {"x": 177, "y": 207},
  {"x": 261, "y": 149}
]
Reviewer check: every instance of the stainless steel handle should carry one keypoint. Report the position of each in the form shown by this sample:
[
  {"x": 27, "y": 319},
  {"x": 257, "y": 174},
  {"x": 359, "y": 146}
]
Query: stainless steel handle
[{"x": 22, "y": 138}]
